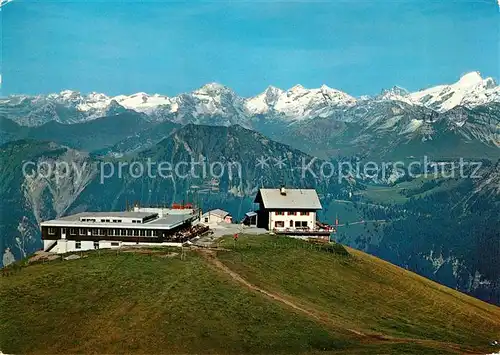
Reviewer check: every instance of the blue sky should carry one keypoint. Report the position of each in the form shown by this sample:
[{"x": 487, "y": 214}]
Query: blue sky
[{"x": 170, "y": 47}]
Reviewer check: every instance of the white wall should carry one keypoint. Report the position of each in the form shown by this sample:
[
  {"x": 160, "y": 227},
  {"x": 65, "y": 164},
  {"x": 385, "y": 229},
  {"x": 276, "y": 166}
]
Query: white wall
[
  {"x": 212, "y": 218},
  {"x": 104, "y": 244},
  {"x": 47, "y": 243},
  {"x": 273, "y": 217},
  {"x": 69, "y": 246}
]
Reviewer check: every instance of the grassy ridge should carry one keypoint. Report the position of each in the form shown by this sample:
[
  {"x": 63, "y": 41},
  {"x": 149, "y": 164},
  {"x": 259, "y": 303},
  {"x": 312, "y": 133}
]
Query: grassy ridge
[
  {"x": 136, "y": 303},
  {"x": 127, "y": 302},
  {"x": 364, "y": 292}
]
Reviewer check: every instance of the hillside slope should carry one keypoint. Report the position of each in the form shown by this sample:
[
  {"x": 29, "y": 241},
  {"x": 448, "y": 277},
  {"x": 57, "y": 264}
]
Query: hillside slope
[
  {"x": 263, "y": 295},
  {"x": 363, "y": 293}
]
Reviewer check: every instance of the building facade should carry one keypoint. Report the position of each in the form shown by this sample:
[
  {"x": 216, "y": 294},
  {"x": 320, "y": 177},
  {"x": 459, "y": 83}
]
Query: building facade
[
  {"x": 96, "y": 230},
  {"x": 291, "y": 220},
  {"x": 216, "y": 216},
  {"x": 288, "y": 210}
]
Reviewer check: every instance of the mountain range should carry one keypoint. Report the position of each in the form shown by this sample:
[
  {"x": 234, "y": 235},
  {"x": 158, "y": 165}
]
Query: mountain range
[
  {"x": 461, "y": 119},
  {"x": 294, "y": 104}
]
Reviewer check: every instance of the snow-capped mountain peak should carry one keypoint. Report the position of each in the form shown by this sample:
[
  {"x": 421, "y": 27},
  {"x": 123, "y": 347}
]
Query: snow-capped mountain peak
[
  {"x": 469, "y": 79},
  {"x": 272, "y": 94},
  {"x": 470, "y": 90},
  {"x": 68, "y": 93},
  {"x": 336, "y": 97},
  {"x": 142, "y": 102},
  {"x": 298, "y": 102},
  {"x": 212, "y": 89},
  {"x": 273, "y": 89},
  {"x": 210, "y": 99},
  {"x": 95, "y": 96},
  {"x": 395, "y": 93},
  {"x": 263, "y": 102},
  {"x": 296, "y": 89},
  {"x": 66, "y": 96}
]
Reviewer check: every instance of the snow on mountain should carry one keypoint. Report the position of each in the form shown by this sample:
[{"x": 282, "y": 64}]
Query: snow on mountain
[
  {"x": 142, "y": 102},
  {"x": 395, "y": 93},
  {"x": 220, "y": 104},
  {"x": 470, "y": 91},
  {"x": 216, "y": 99},
  {"x": 298, "y": 102},
  {"x": 94, "y": 101},
  {"x": 210, "y": 99},
  {"x": 263, "y": 102}
]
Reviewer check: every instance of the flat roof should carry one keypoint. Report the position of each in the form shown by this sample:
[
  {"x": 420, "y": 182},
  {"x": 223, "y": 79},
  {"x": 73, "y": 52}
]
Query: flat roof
[
  {"x": 170, "y": 219},
  {"x": 125, "y": 214},
  {"x": 165, "y": 222}
]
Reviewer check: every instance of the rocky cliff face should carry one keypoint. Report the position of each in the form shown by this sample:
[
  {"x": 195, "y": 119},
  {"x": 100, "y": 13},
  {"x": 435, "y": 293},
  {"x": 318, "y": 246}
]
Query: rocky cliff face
[{"x": 40, "y": 181}]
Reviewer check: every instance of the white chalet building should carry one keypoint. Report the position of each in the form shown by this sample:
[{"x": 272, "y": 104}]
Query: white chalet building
[{"x": 289, "y": 211}]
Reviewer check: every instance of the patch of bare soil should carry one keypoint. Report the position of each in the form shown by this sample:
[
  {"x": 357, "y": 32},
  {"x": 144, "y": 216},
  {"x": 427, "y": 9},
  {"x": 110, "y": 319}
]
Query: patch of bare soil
[
  {"x": 168, "y": 255},
  {"x": 140, "y": 250},
  {"x": 43, "y": 256}
]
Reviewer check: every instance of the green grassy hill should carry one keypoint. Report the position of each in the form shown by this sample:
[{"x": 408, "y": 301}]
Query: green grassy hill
[{"x": 262, "y": 295}]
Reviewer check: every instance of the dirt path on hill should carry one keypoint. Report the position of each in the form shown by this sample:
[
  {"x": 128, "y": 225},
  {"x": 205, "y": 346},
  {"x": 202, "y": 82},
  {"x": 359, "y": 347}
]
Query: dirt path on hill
[{"x": 211, "y": 256}]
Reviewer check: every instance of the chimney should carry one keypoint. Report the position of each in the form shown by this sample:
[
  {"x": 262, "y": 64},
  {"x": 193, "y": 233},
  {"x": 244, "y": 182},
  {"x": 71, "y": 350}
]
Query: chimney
[{"x": 282, "y": 190}]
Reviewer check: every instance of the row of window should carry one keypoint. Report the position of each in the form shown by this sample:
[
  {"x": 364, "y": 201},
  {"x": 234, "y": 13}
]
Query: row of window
[
  {"x": 297, "y": 224},
  {"x": 109, "y": 232},
  {"x": 107, "y": 220},
  {"x": 290, "y": 213}
]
